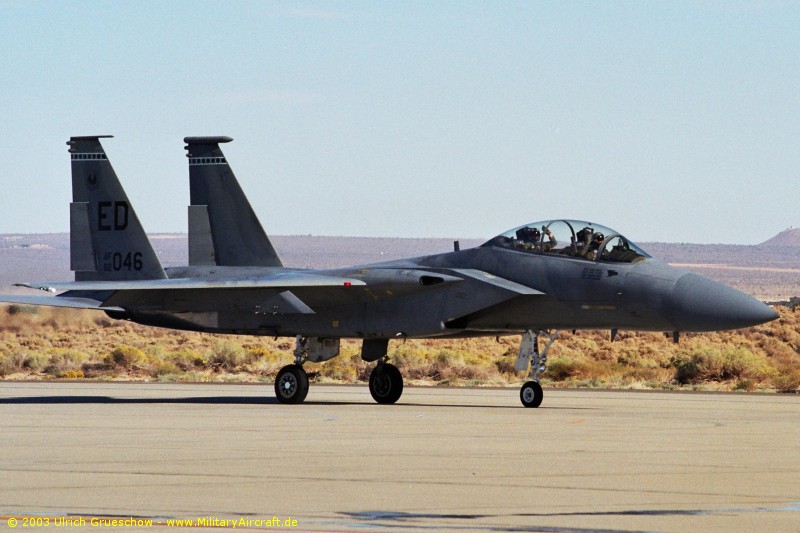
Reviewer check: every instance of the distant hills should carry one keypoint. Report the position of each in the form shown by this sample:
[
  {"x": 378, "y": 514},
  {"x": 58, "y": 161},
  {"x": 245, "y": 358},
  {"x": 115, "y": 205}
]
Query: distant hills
[
  {"x": 789, "y": 237},
  {"x": 770, "y": 270}
]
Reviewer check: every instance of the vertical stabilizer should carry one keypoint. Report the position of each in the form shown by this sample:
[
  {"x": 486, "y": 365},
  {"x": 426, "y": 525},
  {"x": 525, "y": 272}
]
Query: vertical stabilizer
[
  {"x": 107, "y": 241},
  {"x": 223, "y": 228}
]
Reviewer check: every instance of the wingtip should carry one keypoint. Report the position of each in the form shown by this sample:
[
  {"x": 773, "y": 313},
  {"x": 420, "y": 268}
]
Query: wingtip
[{"x": 37, "y": 286}]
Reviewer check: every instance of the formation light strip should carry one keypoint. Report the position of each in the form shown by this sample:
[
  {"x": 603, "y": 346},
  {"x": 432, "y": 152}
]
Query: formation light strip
[
  {"x": 88, "y": 157},
  {"x": 207, "y": 161}
]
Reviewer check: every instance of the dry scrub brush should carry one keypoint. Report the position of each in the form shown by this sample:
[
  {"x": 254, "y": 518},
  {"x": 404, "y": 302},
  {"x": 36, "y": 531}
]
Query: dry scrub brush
[{"x": 43, "y": 343}]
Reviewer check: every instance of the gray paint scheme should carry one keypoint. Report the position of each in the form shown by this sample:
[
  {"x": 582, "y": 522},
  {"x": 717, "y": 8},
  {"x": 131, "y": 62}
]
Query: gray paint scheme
[
  {"x": 237, "y": 238},
  {"x": 235, "y": 282},
  {"x": 201, "y": 242},
  {"x": 105, "y": 232}
]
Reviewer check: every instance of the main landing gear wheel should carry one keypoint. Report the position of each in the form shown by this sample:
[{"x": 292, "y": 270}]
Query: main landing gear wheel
[
  {"x": 531, "y": 394},
  {"x": 385, "y": 383},
  {"x": 291, "y": 384}
]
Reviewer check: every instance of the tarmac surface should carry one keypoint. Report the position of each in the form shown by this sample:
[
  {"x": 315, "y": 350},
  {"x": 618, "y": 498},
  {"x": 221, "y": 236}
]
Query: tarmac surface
[{"x": 442, "y": 459}]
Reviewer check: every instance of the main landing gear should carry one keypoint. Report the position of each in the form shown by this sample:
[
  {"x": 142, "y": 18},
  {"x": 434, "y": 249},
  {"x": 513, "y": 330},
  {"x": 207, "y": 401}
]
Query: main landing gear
[
  {"x": 531, "y": 393},
  {"x": 291, "y": 384},
  {"x": 385, "y": 381}
]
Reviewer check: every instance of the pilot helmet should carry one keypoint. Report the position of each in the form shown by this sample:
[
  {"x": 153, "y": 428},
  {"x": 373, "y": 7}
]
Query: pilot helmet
[
  {"x": 528, "y": 234},
  {"x": 598, "y": 238}
]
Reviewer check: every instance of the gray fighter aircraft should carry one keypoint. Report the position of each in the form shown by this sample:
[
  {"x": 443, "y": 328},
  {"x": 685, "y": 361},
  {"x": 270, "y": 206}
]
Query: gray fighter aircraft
[{"x": 532, "y": 280}]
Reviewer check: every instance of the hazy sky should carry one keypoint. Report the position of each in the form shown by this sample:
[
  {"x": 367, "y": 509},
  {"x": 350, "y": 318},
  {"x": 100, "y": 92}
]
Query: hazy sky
[{"x": 671, "y": 121}]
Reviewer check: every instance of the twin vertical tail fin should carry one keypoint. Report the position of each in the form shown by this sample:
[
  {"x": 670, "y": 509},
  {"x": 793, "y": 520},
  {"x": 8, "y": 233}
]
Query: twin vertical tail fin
[
  {"x": 107, "y": 242},
  {"x": 223, "y": 228}
]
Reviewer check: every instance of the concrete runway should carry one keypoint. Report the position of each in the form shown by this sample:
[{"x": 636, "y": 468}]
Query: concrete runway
[{"x": 441, "y": 459}]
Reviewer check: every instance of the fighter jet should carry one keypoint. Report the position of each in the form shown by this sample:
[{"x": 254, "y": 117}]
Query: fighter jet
[{"x": 532, "y": 280}]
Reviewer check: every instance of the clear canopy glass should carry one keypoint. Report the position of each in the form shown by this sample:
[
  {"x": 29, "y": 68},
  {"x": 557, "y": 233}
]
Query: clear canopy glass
[{"x": 572, "y": 238}]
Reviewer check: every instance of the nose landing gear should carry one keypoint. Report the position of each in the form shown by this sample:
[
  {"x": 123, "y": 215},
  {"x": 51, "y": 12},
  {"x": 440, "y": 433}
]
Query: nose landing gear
[{"x": 531, "y": 393}]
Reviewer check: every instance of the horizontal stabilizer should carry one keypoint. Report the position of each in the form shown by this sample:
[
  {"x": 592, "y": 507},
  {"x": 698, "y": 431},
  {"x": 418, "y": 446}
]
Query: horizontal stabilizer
[{"x": 56, "y": 301}]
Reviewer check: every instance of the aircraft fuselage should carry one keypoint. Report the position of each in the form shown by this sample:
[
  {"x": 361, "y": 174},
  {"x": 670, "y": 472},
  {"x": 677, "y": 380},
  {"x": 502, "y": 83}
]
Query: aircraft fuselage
[{"x": 590, "y": 295}]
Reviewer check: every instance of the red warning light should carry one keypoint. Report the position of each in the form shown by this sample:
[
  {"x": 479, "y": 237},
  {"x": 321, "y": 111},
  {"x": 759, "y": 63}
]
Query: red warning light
[{"x": 348, "y": 284}]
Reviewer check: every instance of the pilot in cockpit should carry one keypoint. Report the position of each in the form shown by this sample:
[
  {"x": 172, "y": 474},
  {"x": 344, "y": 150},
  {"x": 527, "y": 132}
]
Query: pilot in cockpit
[
  {"x": 588, "y": 242},
  {"x": 597, "y": 242},
  {"x": 531, "y": 239}
]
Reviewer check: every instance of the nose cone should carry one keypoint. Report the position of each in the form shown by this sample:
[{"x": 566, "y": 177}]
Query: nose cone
[{"x": 699, "y": 304}]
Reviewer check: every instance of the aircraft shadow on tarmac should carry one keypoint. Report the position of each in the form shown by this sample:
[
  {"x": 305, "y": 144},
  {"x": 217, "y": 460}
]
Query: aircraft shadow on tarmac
[
  {"x": 405, "y": 520},
  {"x": 223, "y": 400},
  {"x": 64, "y": 400}
]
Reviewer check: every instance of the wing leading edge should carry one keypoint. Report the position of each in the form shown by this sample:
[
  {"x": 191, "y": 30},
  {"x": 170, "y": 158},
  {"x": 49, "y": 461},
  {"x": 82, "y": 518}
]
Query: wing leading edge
[
  {"x": 281, "y": 280},
  {"x": 393, "y": 283}
]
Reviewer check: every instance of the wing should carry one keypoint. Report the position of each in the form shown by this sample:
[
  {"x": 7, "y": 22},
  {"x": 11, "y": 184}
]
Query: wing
[
  {"x": 280, "y": 280},
  {"x": 292, "y": 291}
]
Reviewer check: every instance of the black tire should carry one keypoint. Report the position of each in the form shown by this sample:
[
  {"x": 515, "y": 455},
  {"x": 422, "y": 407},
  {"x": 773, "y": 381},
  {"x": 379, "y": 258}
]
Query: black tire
[
  {"x": 385, "y": 383},
  {"x": 531, "y": 394},
  {"x": 291, "y": 384}
]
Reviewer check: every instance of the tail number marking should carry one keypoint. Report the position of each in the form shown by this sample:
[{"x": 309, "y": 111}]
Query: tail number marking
[
  {"x": 112, "y": 216},
  {"x": 114, "y": 262}
]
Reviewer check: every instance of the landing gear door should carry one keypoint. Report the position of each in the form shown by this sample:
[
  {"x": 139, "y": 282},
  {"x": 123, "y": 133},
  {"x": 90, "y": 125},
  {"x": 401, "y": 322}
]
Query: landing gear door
[{"x": 320, "y": 350}]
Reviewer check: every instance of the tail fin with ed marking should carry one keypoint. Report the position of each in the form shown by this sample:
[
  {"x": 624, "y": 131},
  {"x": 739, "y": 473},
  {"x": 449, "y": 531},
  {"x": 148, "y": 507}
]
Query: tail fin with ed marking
[{"x": 107, "y": 242}]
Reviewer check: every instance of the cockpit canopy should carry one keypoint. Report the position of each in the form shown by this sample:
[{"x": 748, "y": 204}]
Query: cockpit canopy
[{"x": 571, "y": 238}]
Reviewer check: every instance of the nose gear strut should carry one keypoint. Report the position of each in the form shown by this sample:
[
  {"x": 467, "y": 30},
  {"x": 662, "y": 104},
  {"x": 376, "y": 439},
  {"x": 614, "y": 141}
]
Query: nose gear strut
[{"x": 531, "y": 393}]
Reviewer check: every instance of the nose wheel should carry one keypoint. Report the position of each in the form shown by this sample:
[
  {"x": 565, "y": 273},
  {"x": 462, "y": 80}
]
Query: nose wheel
[
  {"x": 531, "y": 393},
  {"x": 385, "y": 383}
]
